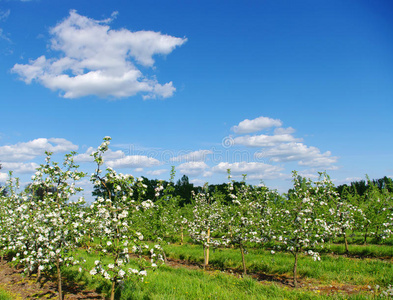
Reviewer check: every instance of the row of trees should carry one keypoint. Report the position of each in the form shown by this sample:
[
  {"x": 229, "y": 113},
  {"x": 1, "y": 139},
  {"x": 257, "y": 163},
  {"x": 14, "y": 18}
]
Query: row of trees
[{"x": 41, "y": 226}]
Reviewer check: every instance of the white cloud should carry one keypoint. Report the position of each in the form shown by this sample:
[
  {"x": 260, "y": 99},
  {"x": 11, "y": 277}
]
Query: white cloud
[
  {"x": 108, "y": 155},
  {"x": 264, "y": 140},
  {"x": 3, "y": 177},
  {"x": 19, "y": 167},
  {"x": 85, "y": 157},
  {"x": 258, "y": 124},
  {"x": 4, "y": 14},
  {"x": 347, "y": 180},
  {"x": 198, "y": 155},
  {"x": 157, "y": 172},
  {"x": 307, "y": 156},
  {"x": 193, "y": 168},
  {"x": 3, "y": 36},
  {"x": 254, "y": 170},
  {"x": 97, "y": 60},
  {"x": 207, "y": 174},
  {"x": 31, "y": 149},
  {"x": 324, "y": 160},
  {"x": 133, "y": 161},
  {"x": 309, "y": 173},
  {"x": 281, "y": 130},
  {"x": 197, "y": 182}
]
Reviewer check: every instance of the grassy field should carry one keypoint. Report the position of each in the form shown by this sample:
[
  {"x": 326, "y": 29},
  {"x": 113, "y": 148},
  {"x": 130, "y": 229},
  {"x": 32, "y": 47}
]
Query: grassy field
[
  {"x": 4, "y": 295},
  {"x": 183, "y": 283},
  {"x": 332, "y": 269},
  {"x": 334, "y": 277}
]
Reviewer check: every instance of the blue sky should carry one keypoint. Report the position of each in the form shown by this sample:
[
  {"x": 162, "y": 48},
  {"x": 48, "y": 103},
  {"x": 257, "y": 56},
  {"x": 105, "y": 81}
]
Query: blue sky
[{"x": 260, "y": 87}]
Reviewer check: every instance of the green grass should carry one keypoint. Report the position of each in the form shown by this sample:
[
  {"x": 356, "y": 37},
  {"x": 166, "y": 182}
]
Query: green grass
[
  {"x": 331, "y": 269},
  {"x": 182, "y": 283},
  {"x": 370, "y": 250},
  {"x": 4, "y": 295}
]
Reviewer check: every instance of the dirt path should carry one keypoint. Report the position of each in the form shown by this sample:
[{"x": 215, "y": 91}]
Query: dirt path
[{"x": 23, "y": 287}]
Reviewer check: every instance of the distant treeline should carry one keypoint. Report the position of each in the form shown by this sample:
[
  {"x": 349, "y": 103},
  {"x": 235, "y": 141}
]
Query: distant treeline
[
  {"x": 183, "y": 188},
  {"x": 362, "y": 186}
]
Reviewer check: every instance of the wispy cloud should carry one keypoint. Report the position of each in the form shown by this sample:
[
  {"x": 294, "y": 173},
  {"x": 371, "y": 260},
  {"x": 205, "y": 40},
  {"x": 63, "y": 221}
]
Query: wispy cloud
[
  {"x": 3, "y": 16},
  {"x": 199, "y": 155}
]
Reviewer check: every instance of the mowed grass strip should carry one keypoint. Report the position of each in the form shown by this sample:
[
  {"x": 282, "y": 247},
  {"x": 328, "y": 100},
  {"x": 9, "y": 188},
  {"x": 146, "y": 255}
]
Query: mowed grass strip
[
  {"x": 331, "y": 268},
  {"x": 183, "y": 283},
  {"x": 4, "y": 295}
]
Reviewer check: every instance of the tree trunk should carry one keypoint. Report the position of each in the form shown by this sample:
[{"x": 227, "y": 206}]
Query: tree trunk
[
  {"x": 295, "y": 271},
  {"x": 59, "y": 279},
  {"x": 164, "y": 255},
  {"x": 377, "y": 239},
  {"x": 38, "y": 273},
  {"x": 345, "y": 242},
  {"x": 113, "y": 290},
  {"x": 207, "y": 247},
  {"x": 231, "y": 235},
  {"x": 365, "y": 238},
  {"x": 181, "y": 235},
  {"x": 243, "y": 259},
  {"x": 204, "y": 256}
]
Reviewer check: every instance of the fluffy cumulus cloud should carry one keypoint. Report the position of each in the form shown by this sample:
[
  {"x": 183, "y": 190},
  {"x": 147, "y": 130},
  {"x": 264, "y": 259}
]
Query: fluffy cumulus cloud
[
  {"x": 281, "y": 130},
  {"x": 264, "y": 140},
  {"x": 97, "y": 60},
  {"x": 347, "y": 180},
  {"x": 3, "y": 177},
  {"x": 258, "y": 124},
  {"x": 29, "y": 150},
  {"x": 281, "y": 146},
  {"x": 193, "y": 168},
  {"x": 199, "y": 155},
  {"x": 307, "y": 156},
  {"x": 197, "y": 182},
  {"x": 254, "y": 170},
  {"x": 133, "y": 161},
  {"x": 157, "y": 172},
  {"x": 108, "y": 155},
  {"x": 20, "y": 167}
]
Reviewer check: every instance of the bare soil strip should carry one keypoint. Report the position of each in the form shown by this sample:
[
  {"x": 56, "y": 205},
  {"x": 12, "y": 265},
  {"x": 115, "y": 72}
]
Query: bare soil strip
[{"x": 23, "y": 287}]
